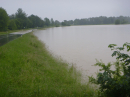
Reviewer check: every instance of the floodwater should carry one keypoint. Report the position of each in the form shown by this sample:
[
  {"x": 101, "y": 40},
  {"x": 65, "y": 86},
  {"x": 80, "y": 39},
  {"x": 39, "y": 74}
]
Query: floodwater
[
  {"x": 82, "y": 45},
  {"x": 9, "y": 37}
]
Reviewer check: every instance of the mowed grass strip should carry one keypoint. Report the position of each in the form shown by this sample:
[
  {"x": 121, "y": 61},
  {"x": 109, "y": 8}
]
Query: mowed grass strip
[{"x": 27, "y": 69}]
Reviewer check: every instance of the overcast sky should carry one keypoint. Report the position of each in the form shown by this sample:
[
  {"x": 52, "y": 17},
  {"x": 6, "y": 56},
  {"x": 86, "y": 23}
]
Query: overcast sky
[{"x": 68, "y": 9}]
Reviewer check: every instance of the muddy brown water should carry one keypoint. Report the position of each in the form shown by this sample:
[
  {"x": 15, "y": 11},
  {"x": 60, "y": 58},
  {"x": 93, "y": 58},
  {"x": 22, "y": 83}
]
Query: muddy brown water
[{"x": 82, "y": 45}]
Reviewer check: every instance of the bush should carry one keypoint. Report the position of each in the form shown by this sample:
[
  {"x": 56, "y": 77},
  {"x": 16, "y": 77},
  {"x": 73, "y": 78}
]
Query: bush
[{"x": 114, "y": 83}]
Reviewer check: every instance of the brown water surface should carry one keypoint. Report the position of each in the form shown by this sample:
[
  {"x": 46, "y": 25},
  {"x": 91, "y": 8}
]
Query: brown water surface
[{"x": 81, "y": 45}]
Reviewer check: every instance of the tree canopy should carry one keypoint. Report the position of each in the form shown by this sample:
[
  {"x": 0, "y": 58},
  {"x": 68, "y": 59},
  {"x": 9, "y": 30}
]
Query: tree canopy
[
  {"x": 117, "y": 22},
  {"x": 4, "y": 19},
  {"x": 12, "y": 25}
]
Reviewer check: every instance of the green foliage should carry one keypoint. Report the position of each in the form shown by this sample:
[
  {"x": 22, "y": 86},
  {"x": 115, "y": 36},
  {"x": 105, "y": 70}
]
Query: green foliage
[
  {"x": 65, "y": 23},
  {"x": 4, "y": 19},
  {"x": 12, "y": 16},
  {"x": 114, "y": 83},
  {"x": 47, "y": 22},
  {"x": 117, "y": 22},
  {"x": 21, "y": 18},
  {"x": 12, "y": 25},
  {"x": 35, "y": 21},
  {"x": 124, "y": 21},
  {"x": 100, "y": 20},
  {"x": 19, "y": 23},
  {"x": 57, "y": 23},
  {"x": 52, "y": 22},
  {"x": 20, "y": 14}
]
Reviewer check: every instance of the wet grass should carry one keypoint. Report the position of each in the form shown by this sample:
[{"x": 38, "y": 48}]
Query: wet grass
[{"x": 27, "y": 69}]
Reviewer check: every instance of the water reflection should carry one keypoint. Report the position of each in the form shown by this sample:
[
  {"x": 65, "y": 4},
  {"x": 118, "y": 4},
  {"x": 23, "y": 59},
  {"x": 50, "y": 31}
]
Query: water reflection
[{"x": 9, "y": 37}]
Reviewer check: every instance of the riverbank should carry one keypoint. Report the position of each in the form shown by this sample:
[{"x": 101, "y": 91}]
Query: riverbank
[{"x": 28, "y": 69}]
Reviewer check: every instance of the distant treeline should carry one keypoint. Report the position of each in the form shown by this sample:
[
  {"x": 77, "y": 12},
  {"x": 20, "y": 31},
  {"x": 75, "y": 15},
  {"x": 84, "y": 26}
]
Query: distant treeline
[
  {"x": 98, "y": 21},
  {"x": 20, "y": 20}
]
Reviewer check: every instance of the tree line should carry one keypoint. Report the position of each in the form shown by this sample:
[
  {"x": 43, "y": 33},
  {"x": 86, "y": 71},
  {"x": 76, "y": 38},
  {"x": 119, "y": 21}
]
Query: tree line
[
  {"x": 98, "y": 21},
  {"x": 20, "y": 20}
]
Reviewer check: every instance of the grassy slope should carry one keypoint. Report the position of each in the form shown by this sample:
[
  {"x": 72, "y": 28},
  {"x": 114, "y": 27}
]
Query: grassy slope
[{"x": 27, "y": 69}]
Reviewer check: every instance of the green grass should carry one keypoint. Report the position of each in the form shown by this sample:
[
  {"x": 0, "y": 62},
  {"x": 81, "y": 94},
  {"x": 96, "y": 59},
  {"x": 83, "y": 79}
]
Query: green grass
[{"x": 27, "y": 69}]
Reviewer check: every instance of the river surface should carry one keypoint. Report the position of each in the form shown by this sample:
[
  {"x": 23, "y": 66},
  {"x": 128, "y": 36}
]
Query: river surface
[{"x": 82, "y": 45}]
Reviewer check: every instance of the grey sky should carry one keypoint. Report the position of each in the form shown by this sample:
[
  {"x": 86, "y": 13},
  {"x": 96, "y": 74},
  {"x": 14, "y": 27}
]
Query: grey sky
[{"x": 68, "y": 9}]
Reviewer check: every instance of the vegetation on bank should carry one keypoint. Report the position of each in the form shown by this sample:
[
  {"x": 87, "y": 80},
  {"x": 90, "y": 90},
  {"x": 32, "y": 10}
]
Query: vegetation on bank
[
  {"x": 114, "y": 83},
  {"x": 102, "y": 20},
  {"x": 27, "y": 69}
]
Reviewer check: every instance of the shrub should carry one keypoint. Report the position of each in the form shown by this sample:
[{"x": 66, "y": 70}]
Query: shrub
[{"x": 114, "y": 83}]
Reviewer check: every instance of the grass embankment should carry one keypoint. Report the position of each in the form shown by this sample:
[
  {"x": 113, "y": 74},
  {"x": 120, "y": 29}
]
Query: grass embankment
[{"x": 28, "y": 70}]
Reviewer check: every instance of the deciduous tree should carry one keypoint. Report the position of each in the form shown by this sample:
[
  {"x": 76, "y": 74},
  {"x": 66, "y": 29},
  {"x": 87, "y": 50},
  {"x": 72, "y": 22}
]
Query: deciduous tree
[
  {"x": 12, "y": 25},
  {"x": 4, "y": 20}
]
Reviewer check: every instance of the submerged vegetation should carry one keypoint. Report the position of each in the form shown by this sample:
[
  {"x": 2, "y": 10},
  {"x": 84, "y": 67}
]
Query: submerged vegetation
[{"x": 28, "y": 70}]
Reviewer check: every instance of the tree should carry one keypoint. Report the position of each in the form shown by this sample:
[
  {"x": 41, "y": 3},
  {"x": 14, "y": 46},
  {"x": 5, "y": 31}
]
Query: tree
[
  {"x": 36, "y": 21},
  {"x": 65, "y": 23},
  {"x": 4, "y": 20},
  {"x": 19, "y": 23},
  {"x": 57, "y": 23},
  {"x": 22, "y": 18},
  {"x": 117, "y": 22},
  {"x": 12, "y": 25},
  {"x": 52, "y": 22},
  {"x": 124, "y": 21},
  {"x": 20, "y": 14},
  {"x": 114, "y": 83},
  {"x": 11, "y": 16},
  {"x": 47, "y": 22}
]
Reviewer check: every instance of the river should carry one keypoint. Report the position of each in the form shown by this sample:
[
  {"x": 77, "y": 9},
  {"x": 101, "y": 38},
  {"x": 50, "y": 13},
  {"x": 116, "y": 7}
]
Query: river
[{"x": 82, "y": 45}]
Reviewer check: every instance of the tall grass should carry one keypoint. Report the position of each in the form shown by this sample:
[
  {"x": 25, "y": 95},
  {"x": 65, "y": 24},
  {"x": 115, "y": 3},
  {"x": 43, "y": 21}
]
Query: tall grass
[{"x": 28, "y": 70}]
